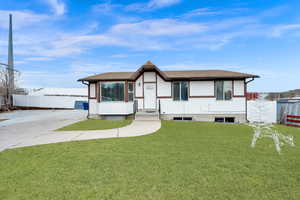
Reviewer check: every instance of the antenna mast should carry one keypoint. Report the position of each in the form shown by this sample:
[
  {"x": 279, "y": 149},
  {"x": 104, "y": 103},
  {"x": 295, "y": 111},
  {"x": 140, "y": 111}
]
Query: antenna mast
[{"x": 10, "y": 63}]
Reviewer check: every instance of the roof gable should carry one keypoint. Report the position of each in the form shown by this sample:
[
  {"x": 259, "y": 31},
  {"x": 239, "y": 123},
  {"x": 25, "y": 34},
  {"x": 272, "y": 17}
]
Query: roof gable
[{"x": 148, "y": 66}]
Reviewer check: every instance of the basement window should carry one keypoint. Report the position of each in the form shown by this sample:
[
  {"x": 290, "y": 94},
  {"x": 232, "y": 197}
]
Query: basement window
[
  {"x": 182, "y": 118},
  {"x": 187, "y": 118},
  {"x": 177, "y": 118},
  {"x": 219, "y": 119},
  {"x": 225, "y": 119},
  {"x": 229, "y": 119}
]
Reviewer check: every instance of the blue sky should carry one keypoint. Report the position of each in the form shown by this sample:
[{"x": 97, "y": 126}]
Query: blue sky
[{"x": 58, "y": 41}]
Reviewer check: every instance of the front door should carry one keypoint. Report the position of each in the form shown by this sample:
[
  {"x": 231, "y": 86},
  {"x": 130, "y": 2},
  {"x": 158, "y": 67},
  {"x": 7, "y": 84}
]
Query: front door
[{"x": 149, "y": 95}]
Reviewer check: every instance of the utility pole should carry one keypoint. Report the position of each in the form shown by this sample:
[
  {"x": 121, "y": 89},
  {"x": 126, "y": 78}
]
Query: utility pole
[{"x": 10, "y": 63}]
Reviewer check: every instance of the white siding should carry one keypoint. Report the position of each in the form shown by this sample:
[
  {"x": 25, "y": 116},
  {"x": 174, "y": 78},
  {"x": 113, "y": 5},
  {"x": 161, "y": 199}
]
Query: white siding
[
  {"x": 239, "y": 89},
  {"x": 203, "y": 106},
  {"x": 139, "y": 87},
  {"x": 202, "y": 88},
  {"x": 149, "y": 77},
  {"x": 92, "y": 90},
  {"x": 140, "y": 103},
  {"x": 115, "y": 108},
  {"x": 163, "y": 87},
  {"x": 93, "y": 106}
]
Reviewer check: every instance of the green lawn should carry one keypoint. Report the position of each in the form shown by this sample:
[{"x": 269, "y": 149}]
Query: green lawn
[
  {"x": 183, "y": 160},
  {"x": 95, "y": 124}
]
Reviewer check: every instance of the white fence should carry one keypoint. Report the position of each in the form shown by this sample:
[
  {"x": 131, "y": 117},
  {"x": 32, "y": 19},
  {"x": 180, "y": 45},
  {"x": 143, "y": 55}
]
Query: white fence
[
  {"x": 262, "y": 111},
  {"x": 46, "y": 101},
  {"x": 1, "y": 101}
]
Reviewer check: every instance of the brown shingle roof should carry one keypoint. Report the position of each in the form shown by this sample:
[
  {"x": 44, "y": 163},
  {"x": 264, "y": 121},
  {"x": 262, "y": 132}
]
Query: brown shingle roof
[
  {"x": 169, "y": 75},
  {"x": 206, "y": 74},
  {"x": 109, "y": 76}
]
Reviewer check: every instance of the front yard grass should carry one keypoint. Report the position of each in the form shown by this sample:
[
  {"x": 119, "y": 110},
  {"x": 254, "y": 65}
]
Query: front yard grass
[
  {"x": 95, "y": 124},
  {"x": 183, "y": 160}
]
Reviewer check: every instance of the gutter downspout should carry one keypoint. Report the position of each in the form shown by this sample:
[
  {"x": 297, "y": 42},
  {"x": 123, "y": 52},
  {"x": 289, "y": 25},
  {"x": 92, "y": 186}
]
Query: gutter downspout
[
  {"x": 88, "y": 100},
  {"x": 252, "y": 79},
  {"x": 246, "y": 86}
]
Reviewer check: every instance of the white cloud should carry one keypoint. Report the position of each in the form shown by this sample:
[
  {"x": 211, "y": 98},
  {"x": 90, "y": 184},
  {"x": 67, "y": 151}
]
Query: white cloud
[
  {"x": 125, "y": 55},
  {"x": 275, "y": 11},
  {"x": 39, "y": 43},
  {"x": 58, "y": 6},
  {"x": 114, "y": 12},
  {"x": 159, "y": 27},
  {"x": 81, "y": 41},
  {"x": 281, "y": 29},
  {"x": 155, "y": 34},
  {"x": 44, "y": 42},
  {"x": 39, "y": 59},
  {"x": 203, "y": 66},
  {"x": 37, "y": 79},
  {"x": 106, "y": 8},
  {"x": 202, "y": 12},
  {"x": 151, "y": 5},
  {"x": 161, "y": 3},
  {"x": 133, "y": 35},
  {"x": 20, "y": 18},
  {"x": 84, "y": 68},
  {"x": 120, "y": 56}
]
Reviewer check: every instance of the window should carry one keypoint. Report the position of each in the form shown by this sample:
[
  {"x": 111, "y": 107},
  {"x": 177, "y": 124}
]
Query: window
[
  {"x": 112, "y": 91},
  {"x": 229, "y": 119},
  {"x": 177, "y": 118},
  {"x": 219, "y": 119},
  {"x": 226, "y": 119},
  {"x": 130, "y": 91},
  {"x": 187, "y": 118},
  {"x": 180, "y": 91},
  {"x": 223, "y": 90},
  {"x": 182, "y": 118}
]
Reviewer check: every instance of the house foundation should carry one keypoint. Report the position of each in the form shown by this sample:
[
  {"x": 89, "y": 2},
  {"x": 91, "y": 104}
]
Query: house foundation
[{"x": 238, "y": 118}]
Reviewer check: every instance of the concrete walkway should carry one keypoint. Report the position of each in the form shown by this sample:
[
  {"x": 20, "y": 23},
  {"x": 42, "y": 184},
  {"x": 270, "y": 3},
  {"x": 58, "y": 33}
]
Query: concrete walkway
[
  {"x": 136, "y": 128},
  {"x": 28, "y": 128}
]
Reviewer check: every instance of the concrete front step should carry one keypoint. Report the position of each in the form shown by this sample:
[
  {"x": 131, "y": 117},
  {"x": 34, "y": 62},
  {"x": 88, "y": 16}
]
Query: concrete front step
[
  {"x": 146, "y": 118},
  {"x": 147, "y": 115}
]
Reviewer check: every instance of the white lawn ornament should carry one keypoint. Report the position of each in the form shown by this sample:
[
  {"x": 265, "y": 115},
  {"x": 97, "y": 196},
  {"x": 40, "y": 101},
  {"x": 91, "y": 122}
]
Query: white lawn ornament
[{"x": 268, "y": 130}]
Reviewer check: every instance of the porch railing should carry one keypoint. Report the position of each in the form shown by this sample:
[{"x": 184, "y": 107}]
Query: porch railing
[{"x": 135, "y": 106}]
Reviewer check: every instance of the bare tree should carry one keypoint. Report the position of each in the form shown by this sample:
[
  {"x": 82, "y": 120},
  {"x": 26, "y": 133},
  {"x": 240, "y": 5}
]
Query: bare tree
[{"x": 5, "y": 87}]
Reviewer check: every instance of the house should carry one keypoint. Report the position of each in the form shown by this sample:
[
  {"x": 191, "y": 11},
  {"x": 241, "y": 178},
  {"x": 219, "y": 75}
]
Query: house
[{"x": 200, "y": 95}]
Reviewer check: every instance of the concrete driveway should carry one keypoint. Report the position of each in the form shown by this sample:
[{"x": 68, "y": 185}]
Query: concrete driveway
[
  {"x": 28, "y": 128},
  {"x": 28, "y": 125}
]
